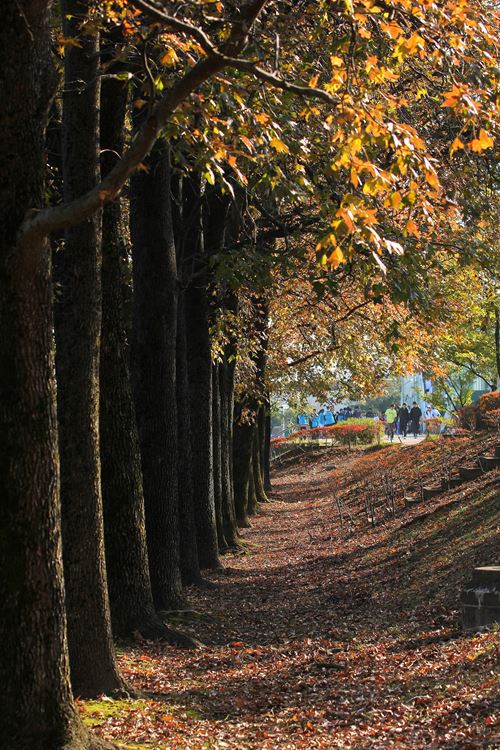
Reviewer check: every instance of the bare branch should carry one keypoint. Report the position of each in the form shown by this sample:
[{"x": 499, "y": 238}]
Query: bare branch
[
  {"x": 309, "y": 92},
  {"x": 174, "y": 23}
]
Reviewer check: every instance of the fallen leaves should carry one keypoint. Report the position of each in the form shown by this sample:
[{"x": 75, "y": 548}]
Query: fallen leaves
[{"x": 318, "y": 641}]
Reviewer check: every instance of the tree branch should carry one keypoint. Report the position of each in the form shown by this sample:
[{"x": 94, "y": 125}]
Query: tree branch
[
  {"x": 304, "y": 358},
  {"x": 38, "y": 224},
  {"x": 174, "y": 23},
  {"x": 474, "y": 372},
  {"x": 309, "y": 92}
]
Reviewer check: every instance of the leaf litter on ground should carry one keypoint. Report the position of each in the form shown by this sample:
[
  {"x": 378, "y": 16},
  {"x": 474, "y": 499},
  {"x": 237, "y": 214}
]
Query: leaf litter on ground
[{"x": 321, "y": 638}]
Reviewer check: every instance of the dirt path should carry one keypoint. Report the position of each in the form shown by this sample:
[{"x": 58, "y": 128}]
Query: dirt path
[{"x": 306, "y": 648}]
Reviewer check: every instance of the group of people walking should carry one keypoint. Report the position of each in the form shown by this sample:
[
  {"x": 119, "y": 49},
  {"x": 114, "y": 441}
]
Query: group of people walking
[{"x": 402, "y": 420}]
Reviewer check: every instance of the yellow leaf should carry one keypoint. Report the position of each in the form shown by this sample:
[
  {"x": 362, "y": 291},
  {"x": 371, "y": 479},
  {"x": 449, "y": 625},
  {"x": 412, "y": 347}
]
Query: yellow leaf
[
  {"x": 279, "y": 146},
  {"x": 346, "y": 215},
  {"x": 233, "y": 164},
  {"x": 452, "y": 97},
  {"x": 170, "y": 57},
  {"x": 392, "y": 28},
  {"x": 313, "y": 82},
  {"x": 336, "y": 258}
]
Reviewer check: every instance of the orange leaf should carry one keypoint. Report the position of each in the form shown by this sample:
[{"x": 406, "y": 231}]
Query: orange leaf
[
  {"x": 412, "y": 228},
  {"x": 481, "y": 143},
  {"x": 457, "y": 144},
  {"x": 262, "y": 118}
]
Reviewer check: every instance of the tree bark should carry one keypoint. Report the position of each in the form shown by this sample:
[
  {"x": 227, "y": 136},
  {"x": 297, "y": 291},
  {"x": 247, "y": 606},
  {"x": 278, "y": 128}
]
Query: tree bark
[
  {"x": 266, "y": 451},
  {"x": 226, "y": 388},
  {"x": 497, "y": 345},
  {"x": 253, "y": 500},
  {"x": 199, "y": 360},
  {"x": 261, "y": 317},
  {"x": 257, "y": 459},
  {"x": 217, "y": 456},
  {"x": 154, "y": 370},
  {"x": 78, "y": 322},
  {"x": 37, "y": 704},
  {"x": 190, "y": 567},
  {"x": 242, "y": 465},
  {"x": 131, "y": 598}
]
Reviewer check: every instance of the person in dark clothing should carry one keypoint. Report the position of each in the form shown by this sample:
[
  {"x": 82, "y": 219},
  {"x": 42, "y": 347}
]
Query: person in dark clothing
[
  {"x": 404, "y": 418},
  {"x": 415, "y": 417}
]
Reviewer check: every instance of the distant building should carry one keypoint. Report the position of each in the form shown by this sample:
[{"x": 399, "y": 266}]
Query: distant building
[
  {"x": 413, "y": 388},
  {"x": 417, "y": 388}
]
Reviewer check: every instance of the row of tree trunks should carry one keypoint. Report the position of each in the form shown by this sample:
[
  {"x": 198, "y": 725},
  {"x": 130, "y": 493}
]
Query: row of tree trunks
[
  {"x": 141, "y": 476},
  {"x": 37, "y": 705}
]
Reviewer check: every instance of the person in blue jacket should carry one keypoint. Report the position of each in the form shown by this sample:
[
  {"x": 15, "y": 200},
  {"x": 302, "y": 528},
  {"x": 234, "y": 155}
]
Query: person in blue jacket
[
  {"x": 302, "y": 421},
  {"x": 329, "y": 420},
  {"x": 314, "y": 421}
]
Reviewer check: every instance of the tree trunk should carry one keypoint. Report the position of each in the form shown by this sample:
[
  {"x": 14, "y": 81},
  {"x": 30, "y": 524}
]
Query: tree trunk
[
  {"x": 154, "y": 369},
  {"x": 131, "y": 599},
  {"x": 78, "y": 322},
  {"x": 261, "y": 317},
  {"x": 242, "y": 465},
  {"x": 266, "y": 452},
  {"x": 190, "y": 567},
  {"x": 37, "y": 704},
  {"x": 226, "y": 388},
  {"x": 253, "y": 500},
  {"x": 217, "y": 456},
  {"x": 257, "y": 459},
  {"x": 200, "y": 375},
  {"x": 497, "y": 346}
]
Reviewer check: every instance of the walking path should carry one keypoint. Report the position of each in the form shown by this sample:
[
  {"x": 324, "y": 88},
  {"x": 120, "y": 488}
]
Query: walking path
[
  {"x": 312, "y": 643},
  {"x": 409, "y": 440}
]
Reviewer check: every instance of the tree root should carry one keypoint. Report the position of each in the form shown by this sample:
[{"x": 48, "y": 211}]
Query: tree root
[{"x": 169, "y": 635}]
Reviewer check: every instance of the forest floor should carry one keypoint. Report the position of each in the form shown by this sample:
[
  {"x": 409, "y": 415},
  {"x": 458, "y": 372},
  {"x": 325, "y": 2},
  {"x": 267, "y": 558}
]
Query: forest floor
[{"x": 323, "y": 637}]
